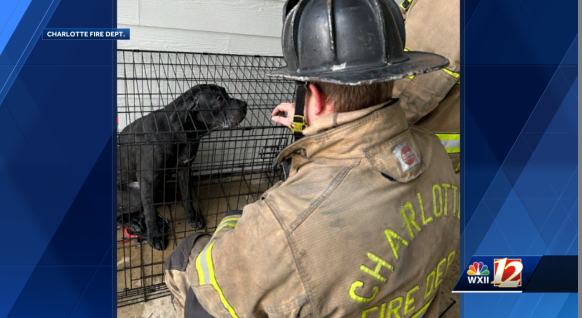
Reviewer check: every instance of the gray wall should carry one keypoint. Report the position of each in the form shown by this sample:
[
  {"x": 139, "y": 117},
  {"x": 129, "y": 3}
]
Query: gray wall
[{"x": 213, "y": 26}]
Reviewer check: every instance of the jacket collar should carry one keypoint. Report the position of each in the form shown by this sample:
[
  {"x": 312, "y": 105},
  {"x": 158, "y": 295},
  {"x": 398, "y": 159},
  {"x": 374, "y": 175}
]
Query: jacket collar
[
  {"x": 377, "y": 133},
  {"x": 327, "y": 122},
  {"x": 346, "y": 135}
]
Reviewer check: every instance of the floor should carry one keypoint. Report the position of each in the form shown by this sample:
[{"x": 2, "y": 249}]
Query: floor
[
  {"x": 141, "y": 266},
  {"x": 157, "y": 308}
]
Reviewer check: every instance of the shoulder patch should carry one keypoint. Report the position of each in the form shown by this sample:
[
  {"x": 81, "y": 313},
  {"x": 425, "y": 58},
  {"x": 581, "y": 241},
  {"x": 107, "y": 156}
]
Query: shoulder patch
[
  {"x": 406, "y": 155},
  {"x": 400, "y": 157}
]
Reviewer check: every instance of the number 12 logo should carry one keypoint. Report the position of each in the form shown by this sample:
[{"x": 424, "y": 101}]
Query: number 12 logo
[{"x": 507, "y": 272}]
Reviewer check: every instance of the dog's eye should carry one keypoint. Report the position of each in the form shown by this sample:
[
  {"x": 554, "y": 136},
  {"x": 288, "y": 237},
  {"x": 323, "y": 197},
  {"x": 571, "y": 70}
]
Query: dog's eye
[{"x": 219, "y": 99}]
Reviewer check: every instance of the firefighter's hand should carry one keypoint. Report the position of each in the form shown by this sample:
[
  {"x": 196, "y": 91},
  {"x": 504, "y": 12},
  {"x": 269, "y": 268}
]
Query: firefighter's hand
[{"x": 283, "y": 114}]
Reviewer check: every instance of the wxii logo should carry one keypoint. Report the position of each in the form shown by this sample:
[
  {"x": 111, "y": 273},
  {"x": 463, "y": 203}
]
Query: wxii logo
[
  {"x": 507, "y": 272},
  {"x": 478, "y": 273}
]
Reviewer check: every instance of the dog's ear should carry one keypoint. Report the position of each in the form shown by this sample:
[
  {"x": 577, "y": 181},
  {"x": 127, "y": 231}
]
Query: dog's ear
[
  {"x": 190, "y": 102},
  {"x": 184, "y": 106},
  {"x": 189, "y": 99}
]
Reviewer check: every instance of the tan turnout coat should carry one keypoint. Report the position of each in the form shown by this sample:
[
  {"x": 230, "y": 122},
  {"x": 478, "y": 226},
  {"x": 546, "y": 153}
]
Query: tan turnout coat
[
  {"x": 366, "y": 225},
  {"x": 432, "y": 100}
]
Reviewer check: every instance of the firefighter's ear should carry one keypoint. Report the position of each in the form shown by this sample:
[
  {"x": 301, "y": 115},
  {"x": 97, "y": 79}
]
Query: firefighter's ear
[{"x": 317, "y": 101}]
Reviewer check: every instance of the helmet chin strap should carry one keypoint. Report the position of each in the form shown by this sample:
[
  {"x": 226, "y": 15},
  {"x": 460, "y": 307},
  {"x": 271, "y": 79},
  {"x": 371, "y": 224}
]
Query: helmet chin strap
[{"x": 298, "y": 123}]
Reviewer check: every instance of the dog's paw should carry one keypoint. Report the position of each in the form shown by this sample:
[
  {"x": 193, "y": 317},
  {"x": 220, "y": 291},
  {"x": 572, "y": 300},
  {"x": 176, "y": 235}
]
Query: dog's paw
[
  {"x": 196, "y": 221},
  {"x": 157, "y": 241}
]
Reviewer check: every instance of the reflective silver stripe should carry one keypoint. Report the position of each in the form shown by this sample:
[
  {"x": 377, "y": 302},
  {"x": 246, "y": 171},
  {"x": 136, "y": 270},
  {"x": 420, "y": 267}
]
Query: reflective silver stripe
[
  {"x": 451, "y": 144},
  {"x": 204, "y": 267}
]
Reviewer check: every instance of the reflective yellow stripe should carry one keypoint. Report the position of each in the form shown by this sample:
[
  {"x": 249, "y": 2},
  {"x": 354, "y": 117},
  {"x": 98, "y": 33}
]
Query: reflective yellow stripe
[
  {"x": 199, "y": 270},
  {"x": 214, "y": 284},
  {"x": 449, "y": 136},
  {"x": 234, "y": 218},
  {"x": 231, "y": 225},
  {"x": 422, "y": 310},
  {"x": 457, "y": 75},
  {"x": 451, "y": 142},
  {"x": 453, "y": 74},
  {"x": 458, "y": 167},
  {"x": 230, "y": 222}
]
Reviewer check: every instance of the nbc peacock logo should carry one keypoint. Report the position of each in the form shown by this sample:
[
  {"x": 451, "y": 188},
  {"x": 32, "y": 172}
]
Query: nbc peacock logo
[{"x": 478, "y": 273}]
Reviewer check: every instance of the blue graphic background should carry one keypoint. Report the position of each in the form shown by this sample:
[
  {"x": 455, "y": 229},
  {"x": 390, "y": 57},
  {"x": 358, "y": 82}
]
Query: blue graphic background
[
  {"x": 57, "y": 119},
  {"x": 519, "y": 142}
]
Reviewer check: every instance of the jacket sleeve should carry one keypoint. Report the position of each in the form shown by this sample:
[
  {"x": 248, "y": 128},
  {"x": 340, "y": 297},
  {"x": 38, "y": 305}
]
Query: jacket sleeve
[
  {"x": 247, "y": 268},
  {"x": 431, "y": 26}
]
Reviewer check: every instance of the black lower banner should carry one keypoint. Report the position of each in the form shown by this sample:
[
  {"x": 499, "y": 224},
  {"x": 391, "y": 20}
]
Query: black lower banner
[{"x": 520, "y": 274}]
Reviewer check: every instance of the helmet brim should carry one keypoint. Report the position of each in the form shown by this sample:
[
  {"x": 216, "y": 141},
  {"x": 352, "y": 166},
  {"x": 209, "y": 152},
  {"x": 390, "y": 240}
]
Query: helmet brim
[{"x": 417, "y": 63}]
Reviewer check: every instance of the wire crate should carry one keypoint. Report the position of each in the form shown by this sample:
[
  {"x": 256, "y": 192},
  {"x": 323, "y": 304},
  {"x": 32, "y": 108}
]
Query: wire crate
[{"x": 232, "y": 167}]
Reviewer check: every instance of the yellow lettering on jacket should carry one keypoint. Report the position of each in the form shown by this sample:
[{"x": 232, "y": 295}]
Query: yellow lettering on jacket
[
  {"x": 393, "y": 309},
  {"x": 376, "y": 271},
  {"x": 352, "y": 292},
  {"x": 455, "y": 190},
  {"x": 407, "y": 304},
  {"x": 440, "y": 197},
  {"x": 427, "y": 291},
  {"x": 399, "y": 241},
  {"x": 409, "y": 220},
  {"x": 409, "y": 301},
  {"x": 439, "y": 273},
  {"x": 447, "y": 187},
  {"x": 450, "y": 260},
  {"x": 369, "y": 310},
  {"x": 424, "y": 220},
  {"x": 358, "y": 293},
  {"x": 395, "y": 304},
  {"x": 434, "y": 278}
]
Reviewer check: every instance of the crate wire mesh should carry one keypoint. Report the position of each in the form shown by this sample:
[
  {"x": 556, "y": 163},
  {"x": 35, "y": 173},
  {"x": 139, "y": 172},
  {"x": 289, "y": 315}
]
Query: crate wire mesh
[{"x": 232, "y": 166}]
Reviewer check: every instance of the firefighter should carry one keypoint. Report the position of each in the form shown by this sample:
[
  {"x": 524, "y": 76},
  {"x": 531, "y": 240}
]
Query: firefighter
[
  {"x": 432, "y": 101},
  {"x": 367, "y": 222}
]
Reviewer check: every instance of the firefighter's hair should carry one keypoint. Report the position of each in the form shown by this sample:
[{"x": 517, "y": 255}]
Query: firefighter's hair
[{"x": 346, "y": 98}]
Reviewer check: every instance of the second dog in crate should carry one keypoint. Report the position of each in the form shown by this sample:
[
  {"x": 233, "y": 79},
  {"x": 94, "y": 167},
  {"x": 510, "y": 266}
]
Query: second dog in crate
[{"x": 166, "y": 141}]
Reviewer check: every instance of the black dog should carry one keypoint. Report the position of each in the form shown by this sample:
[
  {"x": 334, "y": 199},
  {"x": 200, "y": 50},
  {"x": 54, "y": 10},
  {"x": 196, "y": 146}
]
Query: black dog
[{"x": 166, "y": 141}]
